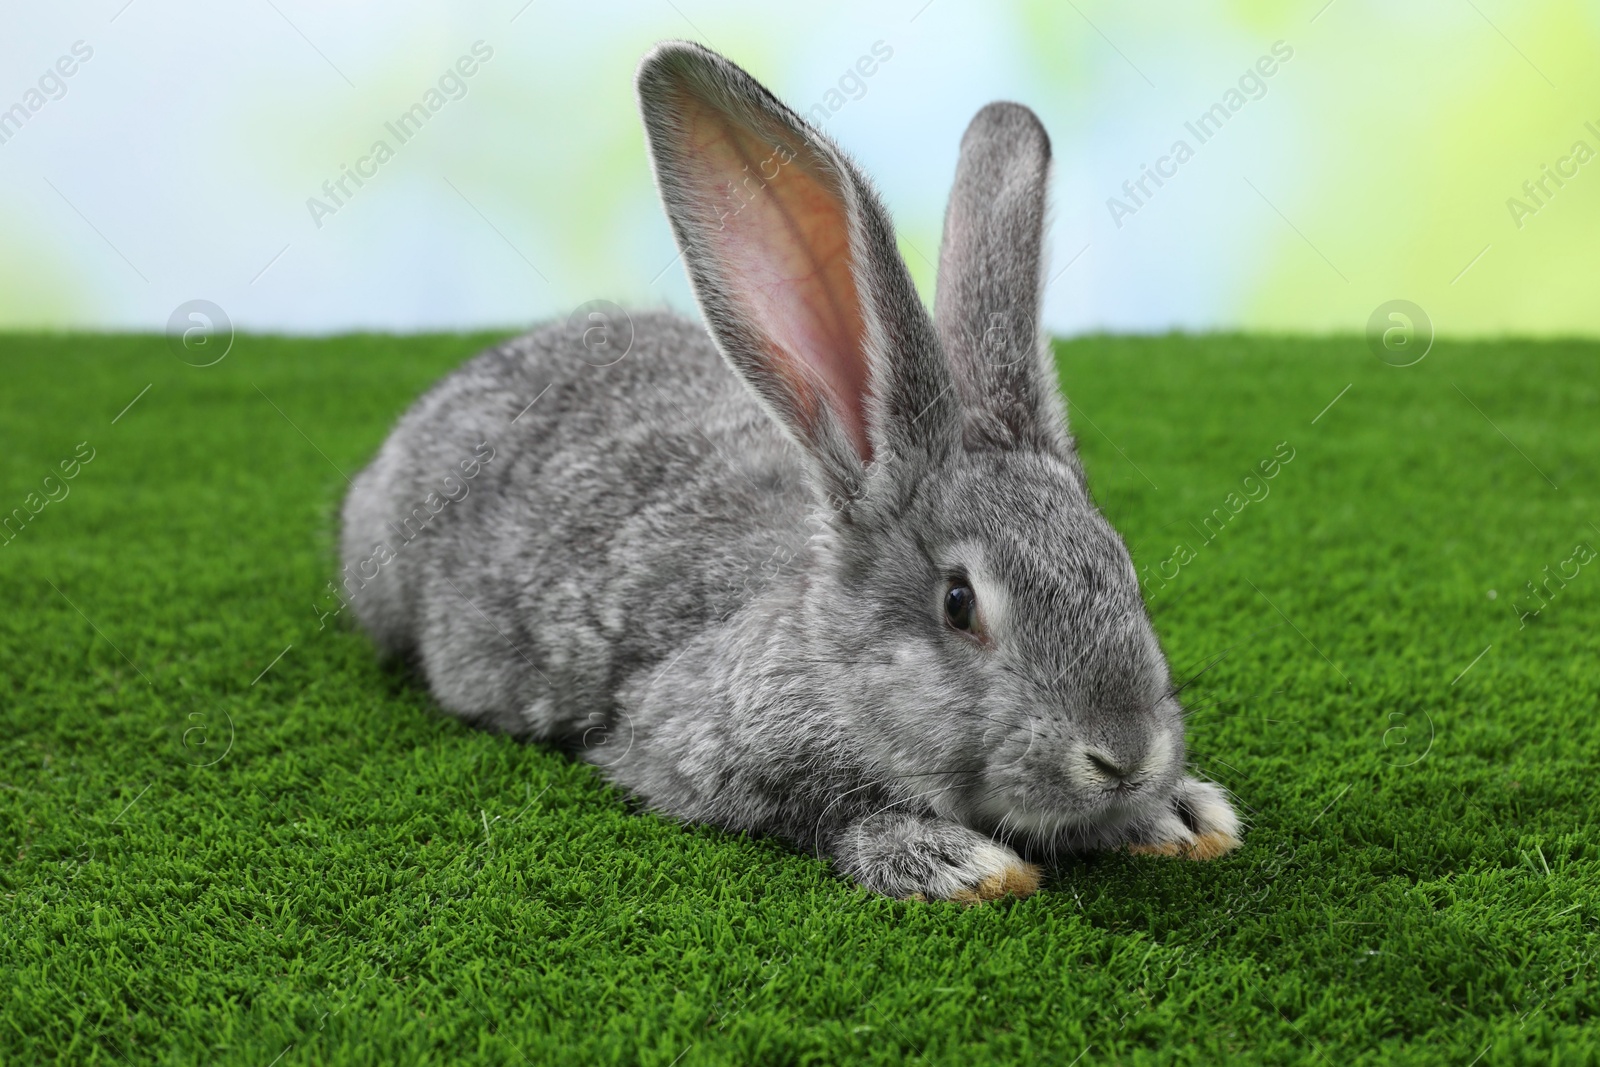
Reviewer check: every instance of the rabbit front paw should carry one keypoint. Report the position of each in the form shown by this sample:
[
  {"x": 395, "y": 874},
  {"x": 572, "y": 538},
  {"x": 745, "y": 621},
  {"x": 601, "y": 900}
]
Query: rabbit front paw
[
  {"x": 915, "y": 858},
  {"x": 1198, "y": 823}
]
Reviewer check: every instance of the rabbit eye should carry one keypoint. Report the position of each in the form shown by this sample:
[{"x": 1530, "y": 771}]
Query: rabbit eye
[{"x": 961, "y": 606}]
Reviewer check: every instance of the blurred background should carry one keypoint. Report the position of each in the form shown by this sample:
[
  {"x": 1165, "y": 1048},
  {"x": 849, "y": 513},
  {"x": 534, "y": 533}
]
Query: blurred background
[{"x": 415, "y": 166}]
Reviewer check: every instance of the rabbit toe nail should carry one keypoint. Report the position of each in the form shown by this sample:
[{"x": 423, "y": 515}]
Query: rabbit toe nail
[
  {"x": 1210, "y": 846},
  {"x": 1017, "y": 880},
  {"x": 1203, "y": 847}
]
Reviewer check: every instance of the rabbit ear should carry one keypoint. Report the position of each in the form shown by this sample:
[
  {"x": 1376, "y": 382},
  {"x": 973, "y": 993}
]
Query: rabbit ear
[
  {"x": 987, "y": 300},
  {"x": 794, "y": 264}
]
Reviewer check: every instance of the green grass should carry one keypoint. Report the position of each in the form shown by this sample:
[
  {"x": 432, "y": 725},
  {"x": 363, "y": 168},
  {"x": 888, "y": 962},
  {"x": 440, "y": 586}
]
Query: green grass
[{"x": 217, "y": 855}]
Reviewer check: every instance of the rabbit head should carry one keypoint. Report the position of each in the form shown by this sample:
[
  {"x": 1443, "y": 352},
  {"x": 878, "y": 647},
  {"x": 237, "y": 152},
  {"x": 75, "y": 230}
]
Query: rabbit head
[{"x": 972, "y": 615}]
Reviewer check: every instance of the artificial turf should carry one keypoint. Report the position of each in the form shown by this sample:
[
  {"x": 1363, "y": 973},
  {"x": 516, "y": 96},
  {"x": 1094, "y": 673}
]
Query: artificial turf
[{"x": 232, "y": 837}]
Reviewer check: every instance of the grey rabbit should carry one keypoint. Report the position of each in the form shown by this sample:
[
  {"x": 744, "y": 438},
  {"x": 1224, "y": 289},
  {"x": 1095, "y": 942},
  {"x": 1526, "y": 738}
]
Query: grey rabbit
[{"x": 854, "y": 594}]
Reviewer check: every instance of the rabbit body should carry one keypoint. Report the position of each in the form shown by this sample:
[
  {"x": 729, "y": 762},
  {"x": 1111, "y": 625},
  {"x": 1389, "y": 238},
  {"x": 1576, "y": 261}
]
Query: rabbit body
[
  {"x": 830, "y": 572},
  {"x": 635, "y": 517},
  {"x": 626, "y": 508}
]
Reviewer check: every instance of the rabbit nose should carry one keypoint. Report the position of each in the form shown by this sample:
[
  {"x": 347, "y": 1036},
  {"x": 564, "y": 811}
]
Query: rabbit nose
[{"x": 1107, "y": 767}]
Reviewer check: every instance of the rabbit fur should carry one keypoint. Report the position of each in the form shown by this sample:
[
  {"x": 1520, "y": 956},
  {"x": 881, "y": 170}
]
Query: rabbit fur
[{"x": 729, "y": 590}]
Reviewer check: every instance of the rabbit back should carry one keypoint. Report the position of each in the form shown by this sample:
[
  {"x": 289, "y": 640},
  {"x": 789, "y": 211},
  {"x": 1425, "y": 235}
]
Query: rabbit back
[{"x": 537, "y": 528}]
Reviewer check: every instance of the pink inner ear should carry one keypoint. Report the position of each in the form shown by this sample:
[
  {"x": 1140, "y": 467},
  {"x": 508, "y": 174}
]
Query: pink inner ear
[{"x": 778, "y": 224}]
